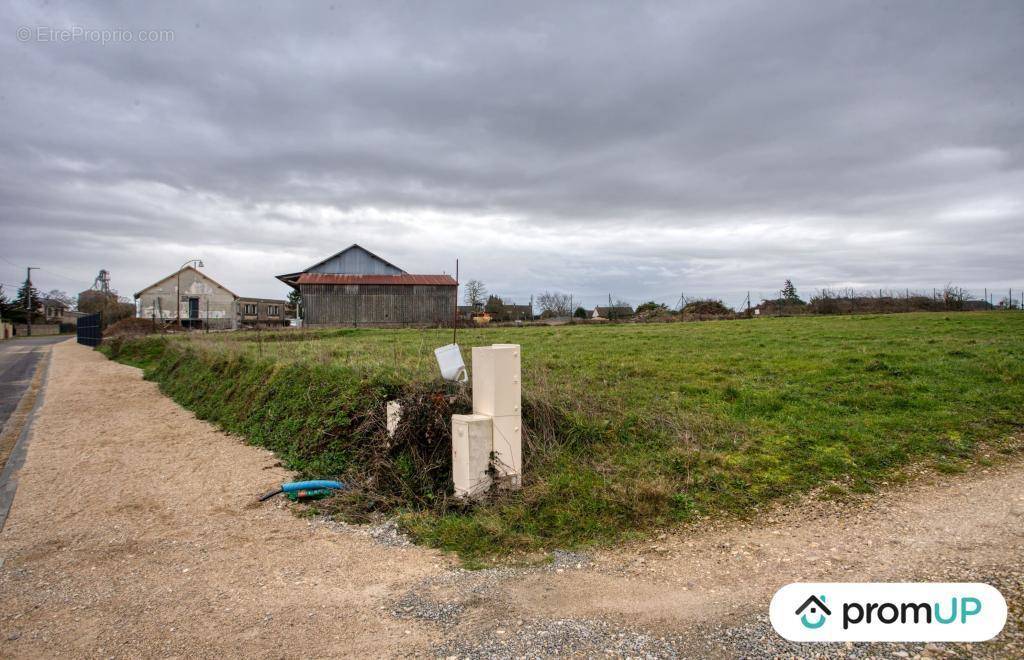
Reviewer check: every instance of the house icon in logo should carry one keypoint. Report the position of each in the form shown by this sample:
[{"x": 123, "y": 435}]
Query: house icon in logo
[{"x": 816, "y": 606}]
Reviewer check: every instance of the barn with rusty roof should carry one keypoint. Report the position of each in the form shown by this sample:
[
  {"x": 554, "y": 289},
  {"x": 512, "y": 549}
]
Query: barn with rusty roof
[{"x": 356, "y": 287}]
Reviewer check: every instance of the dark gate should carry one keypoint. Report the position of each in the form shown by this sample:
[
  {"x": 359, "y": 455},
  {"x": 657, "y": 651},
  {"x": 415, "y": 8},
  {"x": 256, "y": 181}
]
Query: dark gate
[{"x": 89, "y": 331}]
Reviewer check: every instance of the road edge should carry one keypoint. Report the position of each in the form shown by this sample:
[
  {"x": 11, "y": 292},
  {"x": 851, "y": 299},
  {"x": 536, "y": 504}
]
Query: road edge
[{"x": 8, "y": 478}]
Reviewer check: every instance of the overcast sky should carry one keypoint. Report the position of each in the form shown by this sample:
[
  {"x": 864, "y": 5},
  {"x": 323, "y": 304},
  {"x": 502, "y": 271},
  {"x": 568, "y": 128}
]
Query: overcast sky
[{"x": 633, "y": 149}]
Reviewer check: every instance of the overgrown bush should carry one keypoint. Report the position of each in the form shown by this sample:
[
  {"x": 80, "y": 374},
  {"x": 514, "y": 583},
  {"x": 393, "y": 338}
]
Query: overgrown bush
[{"x": 707, "y": 306}]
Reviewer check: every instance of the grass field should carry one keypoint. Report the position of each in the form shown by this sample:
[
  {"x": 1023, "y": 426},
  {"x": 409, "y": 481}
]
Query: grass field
[{"x": 634, "y": 427}]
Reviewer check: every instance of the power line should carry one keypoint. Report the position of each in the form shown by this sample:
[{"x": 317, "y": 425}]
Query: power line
[
  {"x": 70, "y": 279},
  {"x": 50, "y": 272}
]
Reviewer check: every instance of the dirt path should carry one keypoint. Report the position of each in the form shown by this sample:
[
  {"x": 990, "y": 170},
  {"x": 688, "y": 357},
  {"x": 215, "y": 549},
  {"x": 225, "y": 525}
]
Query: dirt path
[{"x": 133, "y": 533}]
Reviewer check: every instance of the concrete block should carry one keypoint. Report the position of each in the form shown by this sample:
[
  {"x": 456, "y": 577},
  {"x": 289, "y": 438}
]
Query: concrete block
[
  {"x": 394, "y": 415},
  {"x": 471, "y": 454},
  {"x": 508, "y": 450},
  {"x": 497, "y": 375}
]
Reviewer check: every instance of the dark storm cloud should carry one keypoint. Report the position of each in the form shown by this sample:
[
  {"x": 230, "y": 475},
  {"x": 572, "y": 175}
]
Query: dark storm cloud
[{"x": 638, "y": 149}]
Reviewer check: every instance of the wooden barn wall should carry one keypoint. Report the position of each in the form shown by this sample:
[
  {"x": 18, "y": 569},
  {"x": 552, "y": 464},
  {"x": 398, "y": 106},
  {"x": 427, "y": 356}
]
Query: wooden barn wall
[{"x": 382, "y": 304}]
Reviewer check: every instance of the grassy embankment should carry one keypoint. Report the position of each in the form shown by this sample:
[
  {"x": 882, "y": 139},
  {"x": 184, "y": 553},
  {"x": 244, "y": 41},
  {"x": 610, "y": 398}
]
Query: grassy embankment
[{"x": 630, "y": 427}]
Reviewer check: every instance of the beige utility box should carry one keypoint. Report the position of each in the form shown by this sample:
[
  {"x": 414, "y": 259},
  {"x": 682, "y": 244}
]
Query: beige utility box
[
  {"x": 508, "y": 450},
  {"x": 471, "y": 454},
  {"x": 493, "y": 435},
  {"x": 496, "y": 380},
  {"x": 497, "y": 392}
]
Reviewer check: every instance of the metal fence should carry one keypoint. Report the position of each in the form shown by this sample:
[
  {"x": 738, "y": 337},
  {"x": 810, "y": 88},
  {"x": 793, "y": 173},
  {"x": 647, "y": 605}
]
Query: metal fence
[{"x": 90, "y": 332}]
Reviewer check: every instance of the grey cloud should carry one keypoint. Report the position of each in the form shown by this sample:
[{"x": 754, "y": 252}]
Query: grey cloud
[{"x": 638, "y": 149}]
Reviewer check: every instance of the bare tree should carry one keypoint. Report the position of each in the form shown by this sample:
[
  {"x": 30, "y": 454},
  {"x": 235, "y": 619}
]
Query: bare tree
[
  {"x": 61, "y": 297},
  {"x": 554, "y": 304},
  {"x": 475, "y": 294}
]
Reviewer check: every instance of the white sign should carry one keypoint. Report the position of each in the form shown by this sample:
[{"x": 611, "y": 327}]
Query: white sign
[{"x": 887, "y": 612}]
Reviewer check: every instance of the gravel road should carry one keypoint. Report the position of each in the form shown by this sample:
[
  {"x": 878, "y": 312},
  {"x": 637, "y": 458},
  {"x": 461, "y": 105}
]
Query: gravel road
[{"x": 134, "y": 533}]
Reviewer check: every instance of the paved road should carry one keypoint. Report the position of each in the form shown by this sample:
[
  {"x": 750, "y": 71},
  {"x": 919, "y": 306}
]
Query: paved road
[{"x": 18, "y": 360}]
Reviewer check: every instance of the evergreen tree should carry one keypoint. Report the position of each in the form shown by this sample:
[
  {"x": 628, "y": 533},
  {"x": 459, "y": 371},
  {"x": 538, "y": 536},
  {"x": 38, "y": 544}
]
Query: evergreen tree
[
  {"x": 295, "y": 300},
  {"x": 5, "y": 305},
  {"x": 789, "y": 292},
  {"x": 26, "y": 301},
  {"x": 495, "y": 306}
]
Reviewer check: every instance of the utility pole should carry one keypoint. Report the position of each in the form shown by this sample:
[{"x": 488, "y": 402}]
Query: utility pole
[{"x": 28, "y": 297}]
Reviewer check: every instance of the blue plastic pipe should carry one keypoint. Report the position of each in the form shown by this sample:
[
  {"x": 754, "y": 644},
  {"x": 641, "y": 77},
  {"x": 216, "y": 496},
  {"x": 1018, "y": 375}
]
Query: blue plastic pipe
[
  {"x": 303, "y": 485},
  {"x": 309, "y": 485}
]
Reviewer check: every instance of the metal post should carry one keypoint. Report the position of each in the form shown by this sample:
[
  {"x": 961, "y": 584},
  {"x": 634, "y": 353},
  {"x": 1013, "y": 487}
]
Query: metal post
[
  {"x": 455, "y": 307},
  {"x": 28, "y": 297}
]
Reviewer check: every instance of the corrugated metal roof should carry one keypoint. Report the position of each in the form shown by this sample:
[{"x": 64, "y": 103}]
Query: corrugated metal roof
[{"x": 329, "y": 278}]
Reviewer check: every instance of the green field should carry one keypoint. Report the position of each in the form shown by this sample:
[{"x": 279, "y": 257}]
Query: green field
[{"x": 629, "y": 427}]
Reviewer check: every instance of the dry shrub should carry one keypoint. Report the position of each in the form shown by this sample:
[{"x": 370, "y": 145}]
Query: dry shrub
[
  {"x": 413, "y": 467},
  {"x": 133, "y": 327}
]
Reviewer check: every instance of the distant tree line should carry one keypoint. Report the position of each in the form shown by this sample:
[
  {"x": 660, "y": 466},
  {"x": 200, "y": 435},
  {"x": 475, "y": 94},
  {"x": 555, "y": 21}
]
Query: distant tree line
[{"x": 787, "y": 302}]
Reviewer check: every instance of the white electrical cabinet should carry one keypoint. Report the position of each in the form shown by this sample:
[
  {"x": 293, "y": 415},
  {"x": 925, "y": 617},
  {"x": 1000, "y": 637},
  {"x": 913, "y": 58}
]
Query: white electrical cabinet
[
  {"x": 471, "y": 454},
  {"x": 496, "y": 380}
]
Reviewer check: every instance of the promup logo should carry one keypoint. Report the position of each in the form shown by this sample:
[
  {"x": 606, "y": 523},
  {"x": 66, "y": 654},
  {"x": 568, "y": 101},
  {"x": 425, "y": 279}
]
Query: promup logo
[
  {"x": 815, "y": 605},
  {"x": 888, "y": 612}
]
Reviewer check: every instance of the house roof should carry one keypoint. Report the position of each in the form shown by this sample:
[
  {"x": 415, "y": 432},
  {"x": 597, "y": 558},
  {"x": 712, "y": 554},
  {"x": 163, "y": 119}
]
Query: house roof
[
  {"x": 327, "y": 278},
  {"x": 354, "y": 246},
  {"x": 175, "y": 274}
]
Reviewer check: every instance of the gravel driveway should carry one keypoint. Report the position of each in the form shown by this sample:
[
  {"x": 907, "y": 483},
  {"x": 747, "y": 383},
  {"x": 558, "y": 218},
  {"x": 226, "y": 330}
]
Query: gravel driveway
[{"x": 134, "y": 532}]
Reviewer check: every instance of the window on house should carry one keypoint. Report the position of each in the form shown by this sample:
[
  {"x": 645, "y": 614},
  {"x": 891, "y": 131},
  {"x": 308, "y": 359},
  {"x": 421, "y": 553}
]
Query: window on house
[
  {"x": 272, "y": 310},
  {"x": 250, "y": 308}
]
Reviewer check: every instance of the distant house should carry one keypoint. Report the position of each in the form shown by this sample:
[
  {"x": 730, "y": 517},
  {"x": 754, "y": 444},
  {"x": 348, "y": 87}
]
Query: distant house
[
  {"x": 513, "y": 312},
  {"x": 56, "y": 311},
  {"x": 612, "y": 313},
  {"x": 357, "y": 287},
  {"x": 203, "y": 302},
  {"x": 52, "y": 310},
  {"x": 262, "y": 311}
]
